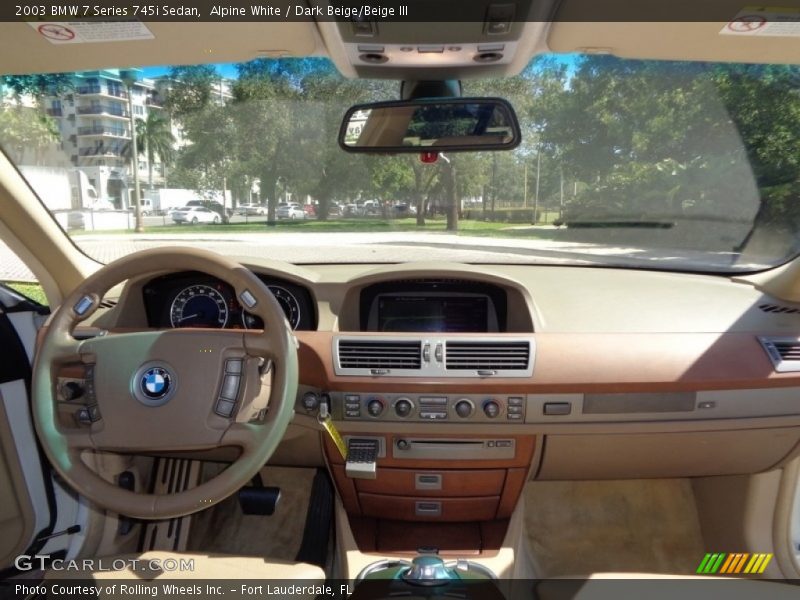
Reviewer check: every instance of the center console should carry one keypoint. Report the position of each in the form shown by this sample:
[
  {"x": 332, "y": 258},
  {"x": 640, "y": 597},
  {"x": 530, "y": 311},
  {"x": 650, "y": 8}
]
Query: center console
[{"x": 454, "y": 492}]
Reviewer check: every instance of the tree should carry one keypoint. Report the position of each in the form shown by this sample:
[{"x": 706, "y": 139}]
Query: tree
[
  {"x": 155, "y": 135},
  {"x": 25, "y": 133}
]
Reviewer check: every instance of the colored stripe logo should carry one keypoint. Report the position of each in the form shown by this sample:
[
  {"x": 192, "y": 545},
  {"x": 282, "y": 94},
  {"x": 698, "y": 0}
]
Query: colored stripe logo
[{"x": 721, "y": 563}]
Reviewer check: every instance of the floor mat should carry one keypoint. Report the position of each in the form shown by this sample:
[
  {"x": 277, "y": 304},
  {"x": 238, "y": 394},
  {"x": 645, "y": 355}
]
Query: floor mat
[
  {"x": 225, "y": 529},
  {"x": 579, "y": 527}
]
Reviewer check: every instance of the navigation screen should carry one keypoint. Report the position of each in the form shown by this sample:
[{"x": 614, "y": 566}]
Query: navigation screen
[{"x": 431, "y": 313}]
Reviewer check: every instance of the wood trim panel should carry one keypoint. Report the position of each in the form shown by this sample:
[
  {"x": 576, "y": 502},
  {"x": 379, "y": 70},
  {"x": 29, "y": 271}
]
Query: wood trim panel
[
  {"x": 455, "y": 483},
  {"x": 515, "y": 481},
  {"x": 584, "y": 362},
  {"x": 525, "y": 445},
  {"x": 402, "y": 508}
]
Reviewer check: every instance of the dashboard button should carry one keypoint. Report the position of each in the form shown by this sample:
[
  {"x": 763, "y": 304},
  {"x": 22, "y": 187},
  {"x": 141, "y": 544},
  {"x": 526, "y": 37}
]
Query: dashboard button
[
  {"x": 310, "y": 401},
  {"x": 375, "y": 408},
  {"x": 433, "y": 400},
  {"x": 515, "y": 401},
  {"x": 514, "y": 417},
  {"x": 491, "y": 409},
  {"x": 557, "y": 408},
  {"x": 403, "y": 407},
  {"x": 464, "y": 408},
  {"x": 433, "y": 415}
]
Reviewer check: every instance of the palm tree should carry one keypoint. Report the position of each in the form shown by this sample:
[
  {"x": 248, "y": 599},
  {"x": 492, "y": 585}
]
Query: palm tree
[{"x": 156, "y": 139}]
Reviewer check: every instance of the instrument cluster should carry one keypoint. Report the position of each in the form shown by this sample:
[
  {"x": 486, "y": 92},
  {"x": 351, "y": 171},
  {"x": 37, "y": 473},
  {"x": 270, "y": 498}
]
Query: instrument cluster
[{"x": 180, "y": 300}]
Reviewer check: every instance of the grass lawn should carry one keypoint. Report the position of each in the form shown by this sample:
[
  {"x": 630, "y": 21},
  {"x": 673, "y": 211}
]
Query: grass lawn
[
  {"x": 32, "y": 290},
  {"x": 465, "y": 227}
]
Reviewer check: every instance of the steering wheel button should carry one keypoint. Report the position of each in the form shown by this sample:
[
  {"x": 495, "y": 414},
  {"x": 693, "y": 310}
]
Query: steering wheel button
[
  {"x": 248, "y": 299},
  {"x": 230, "y": 387},
  {"x": 233, "y": 365},
  {"x": 224, "y": 408},
  {"x": 83, "y": 305}
]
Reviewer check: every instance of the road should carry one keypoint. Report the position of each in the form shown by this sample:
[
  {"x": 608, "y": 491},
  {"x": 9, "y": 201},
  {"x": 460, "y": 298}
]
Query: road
[{"x": 370, "y": 247}]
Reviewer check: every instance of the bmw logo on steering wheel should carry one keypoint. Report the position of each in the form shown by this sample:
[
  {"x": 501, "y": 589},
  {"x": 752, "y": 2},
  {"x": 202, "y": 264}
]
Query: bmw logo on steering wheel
[{"x": 153, "y": 384}]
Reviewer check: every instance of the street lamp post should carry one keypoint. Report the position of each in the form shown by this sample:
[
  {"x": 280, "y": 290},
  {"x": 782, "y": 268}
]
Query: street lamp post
[{"x": 128, "y": 79}]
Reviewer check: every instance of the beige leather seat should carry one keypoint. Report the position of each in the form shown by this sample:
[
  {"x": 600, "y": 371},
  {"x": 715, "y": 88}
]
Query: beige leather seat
[{"x": 158, "y": 565}]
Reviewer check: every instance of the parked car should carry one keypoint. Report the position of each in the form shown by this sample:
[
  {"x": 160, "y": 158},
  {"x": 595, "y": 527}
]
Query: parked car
[
  {"x": 310, "y": 210},
  {"x": 372, "y": 208},
  {"x": 334, "y": 210},
  {"x": 213, "y": 205},
  {"x": 290, "y": 211},
  {"x": 404, "y": 210},
  {"x": 75, "y": 220},
  {"x": 351, "y": 210},
  {"x": 251, "y": 209},
  {"x": 194, "y": 215}
]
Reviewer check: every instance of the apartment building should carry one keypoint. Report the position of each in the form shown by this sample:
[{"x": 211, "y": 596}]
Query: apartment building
[{"x": 95, "y": 123}]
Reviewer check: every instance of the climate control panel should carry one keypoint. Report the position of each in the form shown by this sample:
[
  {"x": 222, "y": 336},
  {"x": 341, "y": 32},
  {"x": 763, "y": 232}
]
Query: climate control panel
[{"x": 360, "y": 406}]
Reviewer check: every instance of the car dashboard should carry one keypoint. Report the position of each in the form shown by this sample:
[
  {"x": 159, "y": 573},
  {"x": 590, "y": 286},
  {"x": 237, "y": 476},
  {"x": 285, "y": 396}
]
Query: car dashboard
[{"x": 511, "y": 373}]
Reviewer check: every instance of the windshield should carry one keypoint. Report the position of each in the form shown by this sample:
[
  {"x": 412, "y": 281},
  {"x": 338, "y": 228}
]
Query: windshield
[{"x": 683, "y": 166}]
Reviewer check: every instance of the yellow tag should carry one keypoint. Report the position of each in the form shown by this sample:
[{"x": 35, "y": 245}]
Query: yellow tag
[{"x": 335, "y": 436}]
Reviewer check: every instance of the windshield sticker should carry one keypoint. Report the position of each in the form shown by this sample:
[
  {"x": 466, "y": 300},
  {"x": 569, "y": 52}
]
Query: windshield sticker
[
  {"x": 767, "y": 21},
  {"x": 83, "y": 32}
]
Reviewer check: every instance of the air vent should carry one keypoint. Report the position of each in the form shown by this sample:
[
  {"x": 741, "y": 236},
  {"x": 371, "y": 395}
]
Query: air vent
[
  {"x": 784, "y": 352},
  {"x": 779, "y": 309},
  {"x": 487, "y": 356},
  {"x": 378, "y": 354},
  {"x": 107, "y": 304},
  {"x": 434, "y": 357}
]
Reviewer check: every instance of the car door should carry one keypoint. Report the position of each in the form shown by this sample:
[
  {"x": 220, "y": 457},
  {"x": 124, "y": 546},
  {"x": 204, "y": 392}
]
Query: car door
[{"x": 33, "y": 505}]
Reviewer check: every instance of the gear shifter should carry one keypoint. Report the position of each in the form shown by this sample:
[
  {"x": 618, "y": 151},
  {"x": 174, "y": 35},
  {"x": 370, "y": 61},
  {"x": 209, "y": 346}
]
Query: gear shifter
[{"x": 427, "y": 569}]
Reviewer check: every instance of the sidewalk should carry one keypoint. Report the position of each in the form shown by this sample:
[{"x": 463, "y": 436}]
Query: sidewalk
[{"x": 11, "y": 267}]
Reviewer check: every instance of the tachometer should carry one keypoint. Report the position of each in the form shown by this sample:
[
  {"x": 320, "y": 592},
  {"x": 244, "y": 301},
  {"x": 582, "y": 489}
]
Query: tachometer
[
  {"x": 289, "y": 304},
  {"x": 199, "y": 306}
]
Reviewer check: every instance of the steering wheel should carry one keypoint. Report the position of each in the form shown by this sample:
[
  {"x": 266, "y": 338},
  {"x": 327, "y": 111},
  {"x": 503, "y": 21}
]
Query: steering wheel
[{"x": 164, "y": 391}]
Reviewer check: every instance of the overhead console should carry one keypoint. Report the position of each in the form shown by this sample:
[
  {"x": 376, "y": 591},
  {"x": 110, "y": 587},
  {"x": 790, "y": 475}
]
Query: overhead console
[{"x": 483, "y": 38}]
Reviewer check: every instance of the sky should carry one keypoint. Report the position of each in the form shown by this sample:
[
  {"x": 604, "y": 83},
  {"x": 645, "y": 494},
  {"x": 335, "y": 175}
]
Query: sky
[{"x": 228, "y": 70}]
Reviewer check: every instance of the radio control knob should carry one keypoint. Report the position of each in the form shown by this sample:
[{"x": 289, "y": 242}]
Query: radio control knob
[
  {"x": 464, "y": 408},
  {"x": 403, "y": 407},
  {"x": 375, "y": 408},
  {"x": 491, "y": 409}
]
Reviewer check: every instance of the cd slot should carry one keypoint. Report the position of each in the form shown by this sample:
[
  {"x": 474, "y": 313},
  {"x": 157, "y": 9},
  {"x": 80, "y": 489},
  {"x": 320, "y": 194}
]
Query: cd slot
[{"x": 455, "y": 449}]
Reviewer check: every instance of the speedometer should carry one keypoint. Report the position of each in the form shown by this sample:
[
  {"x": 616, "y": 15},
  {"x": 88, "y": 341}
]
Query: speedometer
[
  {"x": 199, "y": 306},
  {"x": 289, "y": 304}
]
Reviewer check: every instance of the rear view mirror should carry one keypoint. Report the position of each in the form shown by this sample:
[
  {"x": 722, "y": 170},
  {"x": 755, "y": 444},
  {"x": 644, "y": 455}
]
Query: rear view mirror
[{"x": 431, "y": 125}]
